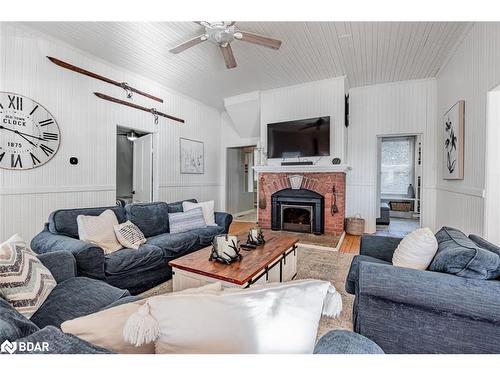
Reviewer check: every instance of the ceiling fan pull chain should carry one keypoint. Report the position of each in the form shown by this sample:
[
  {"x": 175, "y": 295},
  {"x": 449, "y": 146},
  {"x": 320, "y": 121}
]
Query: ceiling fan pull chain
[
  {"x": 155, "y": 114},
  {"x": 127, "y": 89}
]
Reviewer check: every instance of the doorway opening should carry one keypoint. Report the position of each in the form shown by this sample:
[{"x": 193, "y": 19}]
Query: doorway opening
[
  {"x": 135, "y": 166},
  {"x": 399, "y": 187},
  {"x": 241, "y": 183},
  {"x": 492, "y": 172}
]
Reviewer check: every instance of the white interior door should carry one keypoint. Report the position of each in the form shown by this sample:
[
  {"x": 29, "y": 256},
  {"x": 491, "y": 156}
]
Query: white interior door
[{"x": 143, "y": 169}]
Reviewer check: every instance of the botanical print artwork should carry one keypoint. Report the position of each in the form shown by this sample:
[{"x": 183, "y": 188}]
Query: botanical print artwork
[
  {"x": 192, "y": 156},
  {"x": 454, "y": 142},
  {"x": 450, "y": 144}
]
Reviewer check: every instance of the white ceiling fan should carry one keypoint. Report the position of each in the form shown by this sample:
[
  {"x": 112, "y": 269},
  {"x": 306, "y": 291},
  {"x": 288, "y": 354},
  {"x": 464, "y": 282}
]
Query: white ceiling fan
[{"x": 223, "y": 33}]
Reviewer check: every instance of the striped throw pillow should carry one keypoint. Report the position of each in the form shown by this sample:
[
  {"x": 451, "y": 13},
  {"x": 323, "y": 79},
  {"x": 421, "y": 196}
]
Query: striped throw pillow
[
  {"x": 129, "y": 235},
  {"x": 24, "y": 281},
  {"x": 185, "y": 221}
]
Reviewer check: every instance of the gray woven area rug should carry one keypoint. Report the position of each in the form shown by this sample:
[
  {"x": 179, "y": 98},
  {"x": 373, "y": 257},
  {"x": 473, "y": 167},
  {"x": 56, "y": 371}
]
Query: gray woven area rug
[{"x": 312, "y": 264}]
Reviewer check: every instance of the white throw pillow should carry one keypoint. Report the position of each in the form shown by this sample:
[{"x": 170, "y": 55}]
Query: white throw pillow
[
  {"x": 280, "y": 318},
  {"x": 416, "y": 250},
  {"x": 105, "y": 328},
  {"x": 129, "y": 235},
  {"x": 99, "y": 230},
  {"x": 207, "y": 207},
  {"x": 24, "y": 281}
]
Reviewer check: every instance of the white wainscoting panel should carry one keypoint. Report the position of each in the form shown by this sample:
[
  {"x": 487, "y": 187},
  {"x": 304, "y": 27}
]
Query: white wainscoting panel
[
  {"x": 471, "y": 71},
  {"x": 399, "y": 108},
  {"x": 88, "y": 132}
]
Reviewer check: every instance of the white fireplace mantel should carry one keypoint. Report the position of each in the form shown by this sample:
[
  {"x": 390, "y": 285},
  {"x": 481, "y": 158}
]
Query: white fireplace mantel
[{"x": 338, "y": 168}]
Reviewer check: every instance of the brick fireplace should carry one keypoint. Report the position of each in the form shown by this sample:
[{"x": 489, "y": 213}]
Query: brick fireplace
[{"x": 308, "y": 196}]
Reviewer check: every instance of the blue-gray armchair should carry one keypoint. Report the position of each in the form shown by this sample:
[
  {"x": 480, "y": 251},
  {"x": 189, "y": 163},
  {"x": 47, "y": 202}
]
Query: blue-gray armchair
[{"x": 412, "y": 311}]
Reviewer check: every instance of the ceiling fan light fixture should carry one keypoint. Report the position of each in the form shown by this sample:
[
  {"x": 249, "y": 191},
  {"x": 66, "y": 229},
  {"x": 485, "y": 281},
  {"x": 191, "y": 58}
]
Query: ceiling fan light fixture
[
  {"x": 132, "y": 136},
  {"x": 238, "y": 35}
]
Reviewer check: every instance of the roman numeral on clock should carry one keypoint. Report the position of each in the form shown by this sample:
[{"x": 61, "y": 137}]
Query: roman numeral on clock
[
  {"x": 47, "y": 150},
  {"x": 50, "y": 136},
  {"x": 34, "y": 159},
  {"x": 34, "y": 109},
  {"x": 15, "y": 102},
  {"x": 15, "y": 160},
  {"x": 2, "y": 155},
  {"x": 46, "y": 122}
]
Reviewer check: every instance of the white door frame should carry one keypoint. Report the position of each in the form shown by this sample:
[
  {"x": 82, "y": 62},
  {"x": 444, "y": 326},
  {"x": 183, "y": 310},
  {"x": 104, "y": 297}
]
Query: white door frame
[
  {"x": 491, "y": 217},
  {"x": 396, "y": 135},
  {"x": 156, "y": 171}
]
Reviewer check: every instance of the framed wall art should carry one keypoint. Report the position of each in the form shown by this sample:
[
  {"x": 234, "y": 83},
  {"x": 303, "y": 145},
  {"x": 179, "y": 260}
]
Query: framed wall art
[
  {"x": 453, "y": 142},
  {"x": 192, "y": 154}
]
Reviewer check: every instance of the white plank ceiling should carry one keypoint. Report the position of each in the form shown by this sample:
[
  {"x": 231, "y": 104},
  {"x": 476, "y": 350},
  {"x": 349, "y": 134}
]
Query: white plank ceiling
[{"x": 366, "y": 52}]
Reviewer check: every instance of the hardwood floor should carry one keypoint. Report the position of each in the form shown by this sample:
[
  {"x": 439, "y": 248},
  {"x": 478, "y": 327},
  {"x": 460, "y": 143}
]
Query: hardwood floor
[
  {"x": 350, "y": 245},
  {"x": 240, "y": 227}
]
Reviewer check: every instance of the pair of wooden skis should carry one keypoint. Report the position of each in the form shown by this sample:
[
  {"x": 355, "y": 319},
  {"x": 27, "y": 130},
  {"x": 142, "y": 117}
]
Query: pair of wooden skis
[{"x": 129, "y": 90}]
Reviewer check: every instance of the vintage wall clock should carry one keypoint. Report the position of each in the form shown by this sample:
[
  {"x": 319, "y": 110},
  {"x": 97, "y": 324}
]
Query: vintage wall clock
[{"x": 29, "y": 134}]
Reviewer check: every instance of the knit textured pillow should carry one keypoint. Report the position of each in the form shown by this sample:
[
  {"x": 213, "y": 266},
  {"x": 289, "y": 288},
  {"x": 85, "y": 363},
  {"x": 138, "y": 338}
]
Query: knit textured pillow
[
  {"x": 129, "y": 235},
  {"x": 185, "y": 221},
  {"x": 24, "y": 281}
]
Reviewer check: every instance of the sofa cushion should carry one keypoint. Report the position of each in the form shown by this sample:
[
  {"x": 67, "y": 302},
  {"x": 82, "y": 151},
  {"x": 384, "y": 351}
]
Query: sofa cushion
[
  {"x": 13, "y": 325},
  {"x": 60, "y": 343},
  {"x": 24, "y": 281},
  {"x": 459, "y": 255},
  {"x": 353, "y": 275},
  {"x": 99, "y": 230},
  {"x": 175, "y": 244},
  {"x": 129, "y": 235},
  {"x": 482, "y": 243},
  {"x": 207, "y": 234},
  {"x": 151, "y": 218},
  {"x": 64, "y": 221},
  {"x": 177, "y": 206},
  {"x": 76, "y": 297},
  {"x": 122, "y": 261},
  {"x": 207, "y": 207},
  {"x": 341, "y": 341},
  {"x": 181, "y": 222}
]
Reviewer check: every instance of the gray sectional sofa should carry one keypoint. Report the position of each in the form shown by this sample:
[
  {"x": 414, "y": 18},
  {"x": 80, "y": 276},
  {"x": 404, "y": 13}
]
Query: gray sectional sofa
[
  {"x": 76, "y": 296},
  {"x": 413, "y": 311},
  {"x": 73, "y": 297},
  {"x": 134, "y": 270}
]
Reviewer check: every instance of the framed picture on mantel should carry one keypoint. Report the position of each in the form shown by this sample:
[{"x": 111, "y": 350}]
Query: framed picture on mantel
[
  {"x": 453, "y": 142},
  {"x": 192, "y": 155}
]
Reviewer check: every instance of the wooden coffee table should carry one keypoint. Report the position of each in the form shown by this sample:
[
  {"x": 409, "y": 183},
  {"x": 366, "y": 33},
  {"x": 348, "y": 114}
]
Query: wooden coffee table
[{"x": 275, "y": 261}]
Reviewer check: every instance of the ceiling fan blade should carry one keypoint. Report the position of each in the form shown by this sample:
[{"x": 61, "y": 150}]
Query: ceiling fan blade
[
  {"x": 227, "y": 53},
  {"x": 259, "y": 39},
  {"x": 190, "y": 43}
]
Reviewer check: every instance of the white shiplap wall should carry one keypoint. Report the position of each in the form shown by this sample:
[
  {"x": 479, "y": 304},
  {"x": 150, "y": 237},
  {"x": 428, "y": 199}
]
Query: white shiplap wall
[
  {"x": 312, "y": 99},
  {"x": 88, "y": 131},
  {"x": 471, "y": 71},
  {"x": 407, "y": 107}
]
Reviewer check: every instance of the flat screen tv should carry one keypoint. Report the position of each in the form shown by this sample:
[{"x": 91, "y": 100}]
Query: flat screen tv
[{"x": 299, "y": 138}]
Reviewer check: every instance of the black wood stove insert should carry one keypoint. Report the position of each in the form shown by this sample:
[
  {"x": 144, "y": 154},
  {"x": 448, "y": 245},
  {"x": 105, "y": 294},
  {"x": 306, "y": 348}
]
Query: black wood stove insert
[{"x": 298, "y": 210}]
